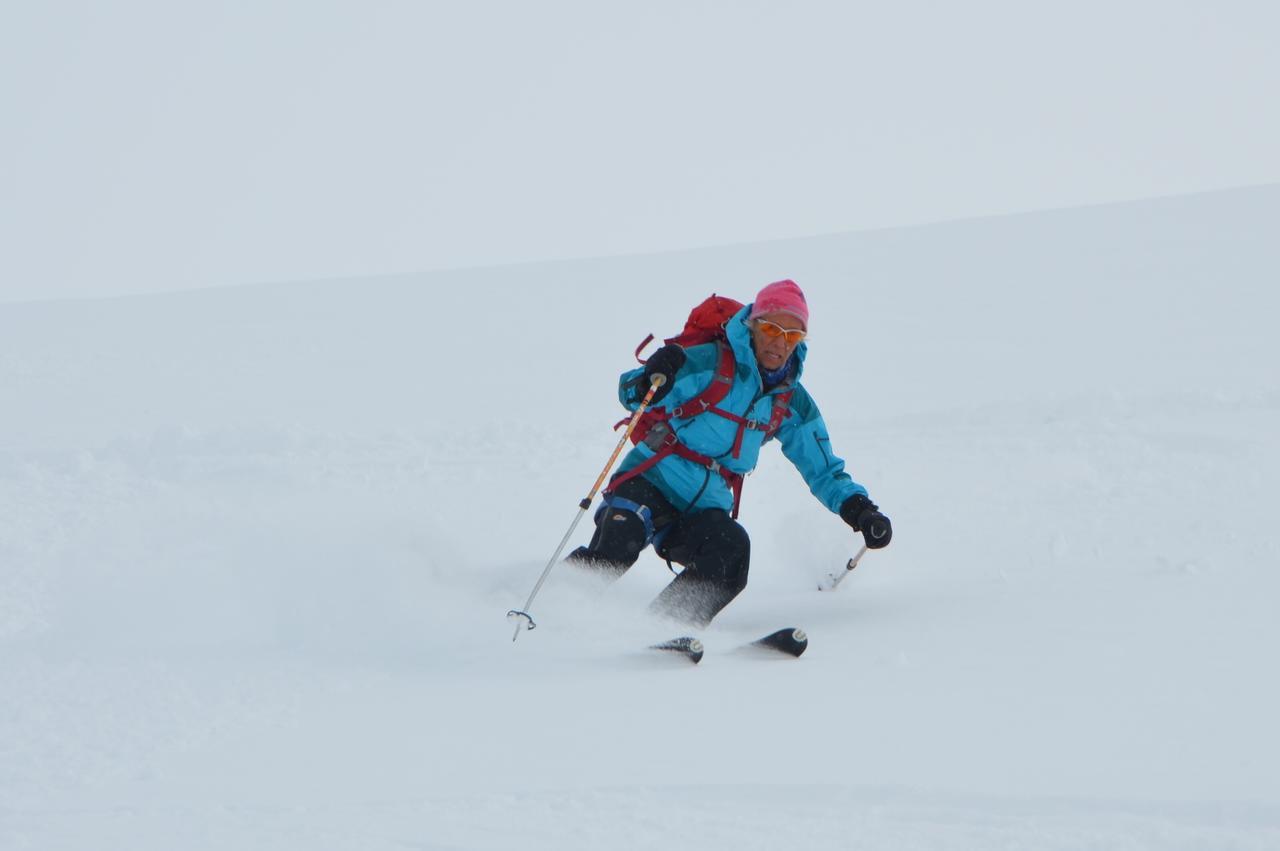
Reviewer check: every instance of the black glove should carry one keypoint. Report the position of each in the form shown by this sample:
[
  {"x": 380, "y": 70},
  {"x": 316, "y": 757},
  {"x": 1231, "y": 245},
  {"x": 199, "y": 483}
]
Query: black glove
[
  {"x": 865, "y": 517},
  {"x": 666, "y": 362}
]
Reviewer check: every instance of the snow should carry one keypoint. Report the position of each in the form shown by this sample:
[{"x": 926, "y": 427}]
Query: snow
[{"x": 257, "y": 544}]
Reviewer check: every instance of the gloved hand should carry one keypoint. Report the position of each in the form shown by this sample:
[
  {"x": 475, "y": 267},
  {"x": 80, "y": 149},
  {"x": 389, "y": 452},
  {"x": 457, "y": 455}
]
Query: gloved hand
[
  {"x": 666, "y": 362},
  {"x": 865, "y": 517}
]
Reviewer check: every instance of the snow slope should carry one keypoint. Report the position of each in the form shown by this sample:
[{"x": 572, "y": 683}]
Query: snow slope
[{"x": 257, "y": 544}]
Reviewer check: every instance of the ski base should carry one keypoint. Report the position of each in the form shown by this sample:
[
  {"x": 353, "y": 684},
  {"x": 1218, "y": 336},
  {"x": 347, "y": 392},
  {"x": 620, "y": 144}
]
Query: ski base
[{"x": 689, "y": 648}]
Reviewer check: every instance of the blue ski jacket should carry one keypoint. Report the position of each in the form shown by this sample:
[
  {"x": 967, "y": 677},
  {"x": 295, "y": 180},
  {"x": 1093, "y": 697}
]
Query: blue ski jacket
[{"x": 803, "y": 434}]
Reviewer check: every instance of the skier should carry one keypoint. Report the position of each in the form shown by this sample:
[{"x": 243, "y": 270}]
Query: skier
[{"x": 678, "y": 488}]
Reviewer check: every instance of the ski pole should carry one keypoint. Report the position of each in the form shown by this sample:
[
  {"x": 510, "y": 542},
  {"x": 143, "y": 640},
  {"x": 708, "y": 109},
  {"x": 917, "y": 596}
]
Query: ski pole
[
  {"x": 834, "y": 579},
  {"x": 516, "y": 614}
]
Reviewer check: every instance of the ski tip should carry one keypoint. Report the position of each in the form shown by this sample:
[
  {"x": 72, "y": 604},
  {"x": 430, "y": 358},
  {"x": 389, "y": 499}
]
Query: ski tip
[
  {"x": 792, "y": 641},
  {"x": 686, "y": 646}
]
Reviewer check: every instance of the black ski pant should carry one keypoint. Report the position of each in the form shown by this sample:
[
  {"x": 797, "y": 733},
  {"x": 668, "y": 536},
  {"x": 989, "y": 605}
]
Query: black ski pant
[{"x": 713, "y": 548}]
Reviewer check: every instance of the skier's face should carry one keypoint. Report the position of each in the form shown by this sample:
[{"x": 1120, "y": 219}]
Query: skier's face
[{"x": 771, "y": 344}]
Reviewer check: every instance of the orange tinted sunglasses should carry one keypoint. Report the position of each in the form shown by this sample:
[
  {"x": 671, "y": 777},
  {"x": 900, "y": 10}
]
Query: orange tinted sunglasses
[{"x": 773, "y": 329}]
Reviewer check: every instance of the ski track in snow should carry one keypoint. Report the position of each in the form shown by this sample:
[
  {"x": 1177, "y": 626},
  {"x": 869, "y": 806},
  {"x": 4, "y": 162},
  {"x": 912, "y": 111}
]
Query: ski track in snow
[{"x": 253, "y": 569}]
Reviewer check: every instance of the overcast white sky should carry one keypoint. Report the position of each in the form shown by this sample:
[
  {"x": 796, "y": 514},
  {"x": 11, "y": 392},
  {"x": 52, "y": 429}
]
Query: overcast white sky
[{"x": 165, "y": 145}]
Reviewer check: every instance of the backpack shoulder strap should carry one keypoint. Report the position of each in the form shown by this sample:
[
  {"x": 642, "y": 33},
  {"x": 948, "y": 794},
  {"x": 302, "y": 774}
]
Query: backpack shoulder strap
[
  {"x": 781, "y": 410},
  {"x": 721, "y": 384},
  {"x": 719, "y": 387}
]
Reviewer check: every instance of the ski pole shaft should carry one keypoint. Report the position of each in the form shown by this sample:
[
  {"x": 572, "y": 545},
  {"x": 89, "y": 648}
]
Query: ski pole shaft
[
  {"x": 516, "y": 614},
  {"x": 835, "y": 579}
]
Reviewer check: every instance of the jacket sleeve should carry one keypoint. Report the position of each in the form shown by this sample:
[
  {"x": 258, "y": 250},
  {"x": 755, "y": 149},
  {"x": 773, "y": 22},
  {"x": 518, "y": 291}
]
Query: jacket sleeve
[
  {"x": 629, "y": 393},
  {"x": 807, "y": 445}
]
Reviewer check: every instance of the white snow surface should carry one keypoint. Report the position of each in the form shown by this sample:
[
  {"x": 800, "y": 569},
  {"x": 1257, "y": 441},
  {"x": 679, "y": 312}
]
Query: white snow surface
[{"x": 257, "y": 545}]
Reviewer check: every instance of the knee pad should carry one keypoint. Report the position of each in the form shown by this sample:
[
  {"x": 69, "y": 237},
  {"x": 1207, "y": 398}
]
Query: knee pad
[
  {"x": 615, "y": 509},
  {"x": 622, "y": 532}
]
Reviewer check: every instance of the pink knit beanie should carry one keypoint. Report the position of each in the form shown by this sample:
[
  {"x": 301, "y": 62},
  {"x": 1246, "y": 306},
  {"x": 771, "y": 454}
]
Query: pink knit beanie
[{"x": 781, "y": 297}]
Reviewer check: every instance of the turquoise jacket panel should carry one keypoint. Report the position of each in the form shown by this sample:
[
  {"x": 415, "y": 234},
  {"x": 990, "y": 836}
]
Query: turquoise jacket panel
[{"x": 803, "y": 434}]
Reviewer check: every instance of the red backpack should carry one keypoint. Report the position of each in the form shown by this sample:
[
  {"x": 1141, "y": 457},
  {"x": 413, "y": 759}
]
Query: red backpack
[{"x": 706, "y": 324}]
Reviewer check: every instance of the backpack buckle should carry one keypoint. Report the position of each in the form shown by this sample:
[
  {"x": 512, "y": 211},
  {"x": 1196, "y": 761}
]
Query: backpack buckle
[{"x": 660, "y": 437}]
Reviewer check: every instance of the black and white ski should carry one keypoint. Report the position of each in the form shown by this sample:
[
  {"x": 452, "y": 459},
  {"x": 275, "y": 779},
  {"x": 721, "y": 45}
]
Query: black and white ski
[
  {"x": 689, "y": 648},
  {"x": 789, "y": 642}
]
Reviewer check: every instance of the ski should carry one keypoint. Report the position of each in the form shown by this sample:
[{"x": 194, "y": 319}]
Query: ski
[
  {"x": 790, "y": 641},
  {"x": 689, "y": 648}
]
